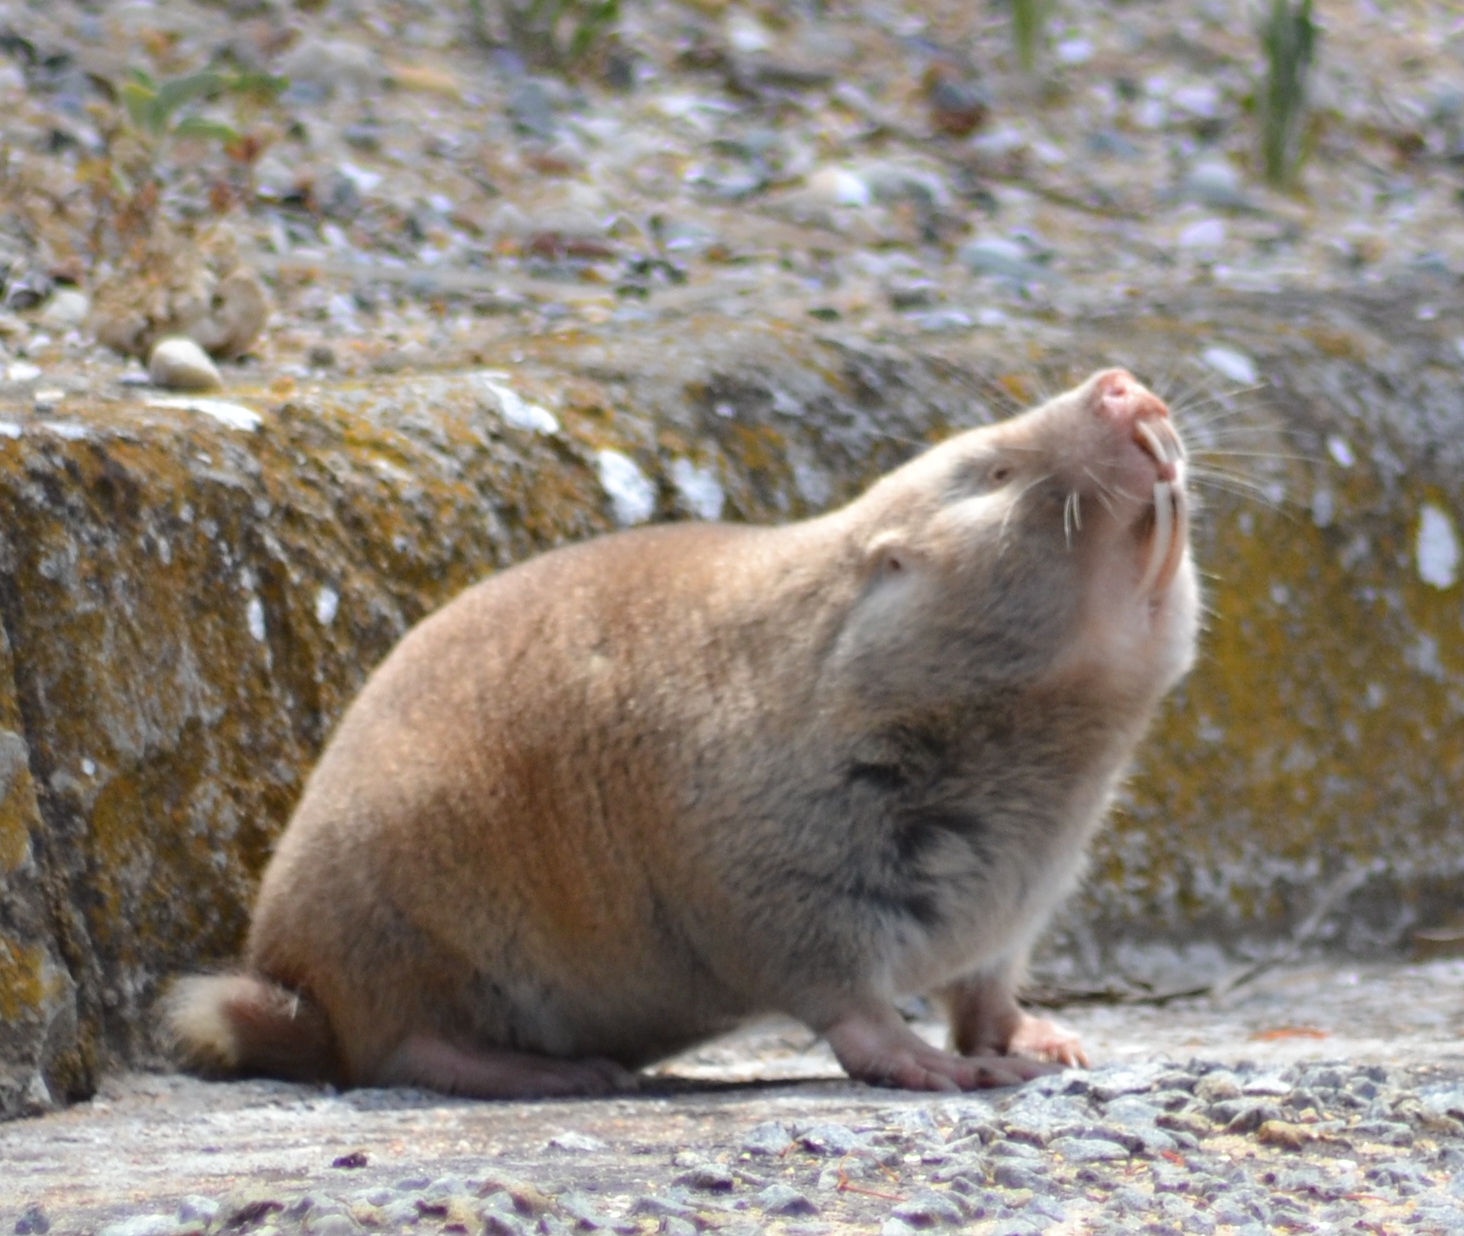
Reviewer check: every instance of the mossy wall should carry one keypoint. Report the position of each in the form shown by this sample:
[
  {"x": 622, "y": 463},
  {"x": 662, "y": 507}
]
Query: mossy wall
[{"x": 189, "y": 596}]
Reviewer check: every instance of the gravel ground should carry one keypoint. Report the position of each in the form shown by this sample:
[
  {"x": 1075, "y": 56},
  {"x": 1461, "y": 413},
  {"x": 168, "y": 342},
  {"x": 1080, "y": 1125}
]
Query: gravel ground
[
  {"x": 416, "y": 195},
  {"x": 1317, "y": 1099}
]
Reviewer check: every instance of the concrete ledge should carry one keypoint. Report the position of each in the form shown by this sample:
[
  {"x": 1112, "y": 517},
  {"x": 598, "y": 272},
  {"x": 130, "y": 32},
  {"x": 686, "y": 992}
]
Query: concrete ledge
[{"x": 191, "y": 594}]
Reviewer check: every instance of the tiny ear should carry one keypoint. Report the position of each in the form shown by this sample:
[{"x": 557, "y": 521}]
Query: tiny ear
[{"x": 889, "y": 556}]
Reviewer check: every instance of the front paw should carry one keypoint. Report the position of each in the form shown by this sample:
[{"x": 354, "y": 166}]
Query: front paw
[
  {"x": 876, "y": 1046},
  {"x": 943, "y": 1071},
  {"x": 1040, "y": 1038}
]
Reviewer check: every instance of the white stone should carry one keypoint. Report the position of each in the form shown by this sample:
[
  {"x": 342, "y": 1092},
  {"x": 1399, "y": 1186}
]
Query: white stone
[
  {"x": 327, "y": 602},
  {"x": 234, "y": 415},
  {"x": 1323, "y": 508},
  {"x": 333, "y": 64},
  {"x": 254, "y": 616},
  {"x": 364, "y": 179},
  {"x": 66, "y": 310},
  {"x": 1200, "y": 99},
  {"x": 1204, "y": 234},
  {"x": 747, "y": 34},
  {"x": 840, "y": 187},
  {"x": 1230, "y": 363},
  {"x": 1214, "y": 182},
  {"x": 179, "y": 364},
  {"x": 575, "y": 1141},
  {"x": 1438, "y": 548},
  {"x": 68, "y": 431},
  {"x": 631, "y": 492},
  {"x": 142, "y": 1225},
  {"x": 699, "y": 488},
  {"x": 1341, "y": 450},
  {"x": 1074, "y": 51},
  {"x": 516, "y": 410}
]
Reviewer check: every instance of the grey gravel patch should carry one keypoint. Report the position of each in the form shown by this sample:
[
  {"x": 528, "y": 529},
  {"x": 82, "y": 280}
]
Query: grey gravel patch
[
  {"x": 1088, "y": 1149},
  {"x": 1091, "y": 1151}
]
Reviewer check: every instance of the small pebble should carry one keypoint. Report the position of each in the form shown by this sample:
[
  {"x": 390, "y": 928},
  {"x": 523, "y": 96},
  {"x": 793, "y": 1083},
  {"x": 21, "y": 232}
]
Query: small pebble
[
  {"x": 1088, "y": 1149},
  {"x": 180, "y": 364},
  {"x": 710, "y": 1176},
  {"x": 33, "y": 1221},
  {"x": 1004, "y": 259},
  {"x": 196, "y": 1208},
  {"x": 650, "y": 1204},
  {"x": 779, "y": 1199},
  {"x": 576, "y": 1143},
  {"x": 330, "y": 1225},
  {"x": 1018, "y": 1176},
  {"x": 1284, "y": 1134},
  {"x": 928, "y": 1208},
  {"x": 828, "y": 1138},
  {"x": 769, "y": 1138},
  {"x": 66, "y": 310}
]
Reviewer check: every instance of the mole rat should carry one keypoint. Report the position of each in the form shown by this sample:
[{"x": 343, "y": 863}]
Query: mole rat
[{"x": 627, "y": 794}]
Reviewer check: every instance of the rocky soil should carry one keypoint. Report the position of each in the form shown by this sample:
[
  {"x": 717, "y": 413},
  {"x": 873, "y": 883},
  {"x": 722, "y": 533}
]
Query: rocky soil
[
  {"x": 419, "y": 191},
  {"x": 1325, "y": 1099}
]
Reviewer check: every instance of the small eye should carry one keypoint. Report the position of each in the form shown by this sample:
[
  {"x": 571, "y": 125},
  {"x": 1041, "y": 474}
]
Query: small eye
[{"x": 1000, "y": 474}]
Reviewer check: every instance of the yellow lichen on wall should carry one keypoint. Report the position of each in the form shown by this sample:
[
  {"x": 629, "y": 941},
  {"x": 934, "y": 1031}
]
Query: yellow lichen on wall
[
  {"x": 17, "y": 813},
  {"x": 28, "y": 982}
]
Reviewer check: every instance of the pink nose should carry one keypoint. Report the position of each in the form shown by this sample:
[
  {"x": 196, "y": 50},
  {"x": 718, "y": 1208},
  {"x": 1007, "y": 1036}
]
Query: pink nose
[{"x": 1121, "y": 400}]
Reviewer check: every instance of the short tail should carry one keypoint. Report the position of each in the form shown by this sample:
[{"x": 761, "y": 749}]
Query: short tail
[{"x": 228, "y": 1025}]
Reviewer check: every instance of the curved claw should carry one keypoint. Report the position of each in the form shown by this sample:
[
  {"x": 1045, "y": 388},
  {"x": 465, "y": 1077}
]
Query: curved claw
[{"x": 1044, "y": 1039}]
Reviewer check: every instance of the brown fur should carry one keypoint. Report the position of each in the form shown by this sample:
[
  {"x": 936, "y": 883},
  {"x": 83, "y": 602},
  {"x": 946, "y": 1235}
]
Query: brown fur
[{"x": 629, "y": 793}]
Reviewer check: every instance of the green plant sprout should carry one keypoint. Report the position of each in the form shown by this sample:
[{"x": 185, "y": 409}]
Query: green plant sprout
[
  {"x": 1289, "y": 39},
  {"x": 152, "y": 105},
  {"x": 126, "y": 180},
  {"x": 1029, "y": 30}
]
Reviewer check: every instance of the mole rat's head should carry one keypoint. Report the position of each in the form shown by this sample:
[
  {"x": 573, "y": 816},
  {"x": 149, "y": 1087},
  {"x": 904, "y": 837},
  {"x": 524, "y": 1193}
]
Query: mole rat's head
[{"x": 1049, "y": 545}]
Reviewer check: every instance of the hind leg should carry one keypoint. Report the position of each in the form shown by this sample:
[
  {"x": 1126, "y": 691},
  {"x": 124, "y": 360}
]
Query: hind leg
[{"x": 433, "y": 1063}]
